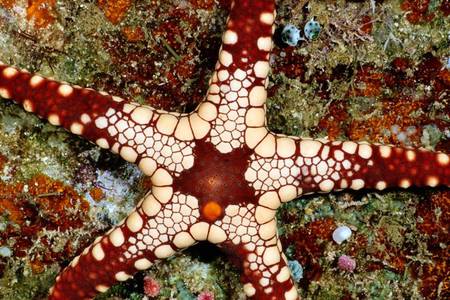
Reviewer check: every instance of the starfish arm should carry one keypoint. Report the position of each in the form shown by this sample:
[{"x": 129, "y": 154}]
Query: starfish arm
[
  {"x": 293, "y": 167},
  {"x": 243, "y": 62},
  {"x": 248, "y": 233},
  {"x": 138, "y": 133},
  {"x": 265, "y": 274},
  {"x": 237, "y": 90},
  {"x": 154, "y": 231},
  {"x": 325, "y": 166}
]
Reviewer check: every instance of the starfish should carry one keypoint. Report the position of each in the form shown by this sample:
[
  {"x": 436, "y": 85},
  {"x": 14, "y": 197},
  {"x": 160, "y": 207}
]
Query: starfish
[{"x": 218, "y": 174}]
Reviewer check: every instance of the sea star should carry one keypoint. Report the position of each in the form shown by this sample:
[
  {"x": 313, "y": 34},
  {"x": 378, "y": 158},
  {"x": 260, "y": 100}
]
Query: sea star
[{"x": 218, "y": 174}]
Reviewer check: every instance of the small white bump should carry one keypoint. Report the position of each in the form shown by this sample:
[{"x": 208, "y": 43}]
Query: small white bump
[
  {"x": 183, "y": 240},
  {"x": 164, "y": 251},
  {"x": 249, "y": 290},
  {"x": 142, "y": 115},
  {"x": 129, "y": 154},
  {"x": 267, "y": 146},
  {"x": 265, "y": 43},
  {"x": 270, "y": 199},
  {"x": 385, "y": 151},
  {"x": 116, "y": 237},
  {"x": 271, "y": 256},
  {"x": 285, "y": 147},
  {"x": 98, "y": 253},
  {"x": 339, "y": 155},
  {"x": 207, "y": 111},
  {"x": 324, "y": 154},
  {"x": 216, "y": 234},
  {"x": 258, "y": 96},
  {"x": 76, "y": 128},
  {"x": 184, "y": 130},
  {"x": 254, "y": 135},
  {"x": 226, "y": 59},
  {"x": 134, "y": 222},
  {"x": 85, "y": 118},
  {"x": 443, "y": 159},
  {"x": 405, "y": 183},
  {"x": 230, "y": 37},
  {"x": 142, "y": 264},
  {"x": 344, "y": 184},
  {"x": 117, "y": 99},
  {"x": 102, "y": 143},
  {"x": 128, "y": 107},
  {"x": 410, "y": 155},
  {"x": 200, "y": 127},
  {"x": 54, "y": 120},
  {"x": 75, "y": 261},
  {"x": 357, "y": 184},
  {"x": 223, "y": 75},
  {"x": 255, "y": 117},
  {"x": 268, "y": 230},
  {"x": 166, "y": 124},
  {"x": 199, "y": 231},
  {"x": 101, "y": 122},
  {"x": 283, "y": 275},
  {"x": 4, "y": 93},
  {"x": 381, "y": 185},
  {"x": 267, "y": 18},
  {"x": 151, "y": 206},
  {"x": 122, "y": 276},
  {"x": 365, "y": 151},
  {"x": 263, "y": 214},
  {"x": 288, "y": 193},
  {"x": 326, "y": 185},
  {"x": 240, "y": 74},
  {"x": 36, "y": 80},
  {"x": 261, "y": 69},
  {"x": 101, "y": 288},
  {"x": 161, "y": 178},
  {"x": 349, "y": 147},
  {"x": 65, "y": 90},
  {"x": 291, "y": 294},
  {"x": 163, "y": 194},
  {"x": 28, "y": 105},
  {"x": 147, "y": 165},
  {"x": 10, "y": 72},
  {"x": 310, "y": 148},
  {"x": 432, "y": 181}
]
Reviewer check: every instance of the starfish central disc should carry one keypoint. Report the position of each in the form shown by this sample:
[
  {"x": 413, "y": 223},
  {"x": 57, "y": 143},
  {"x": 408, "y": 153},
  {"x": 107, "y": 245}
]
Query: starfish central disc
[{"x": 219, "y": 180}]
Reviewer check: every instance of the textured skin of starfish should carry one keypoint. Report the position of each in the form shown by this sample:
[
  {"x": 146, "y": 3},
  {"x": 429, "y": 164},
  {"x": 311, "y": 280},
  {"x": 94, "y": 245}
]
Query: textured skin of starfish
[{"x": 218, "y": 174}]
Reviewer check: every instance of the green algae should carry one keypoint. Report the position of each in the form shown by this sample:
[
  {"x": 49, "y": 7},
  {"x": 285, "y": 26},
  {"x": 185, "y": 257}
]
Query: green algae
[
  {"x": 293, "y": 114},
  {"x": 18, "y": 284}
]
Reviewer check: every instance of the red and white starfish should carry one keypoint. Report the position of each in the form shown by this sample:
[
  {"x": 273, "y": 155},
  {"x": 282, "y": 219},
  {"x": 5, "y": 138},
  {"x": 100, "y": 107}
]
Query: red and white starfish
[{"x": 218, "y": 174}]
